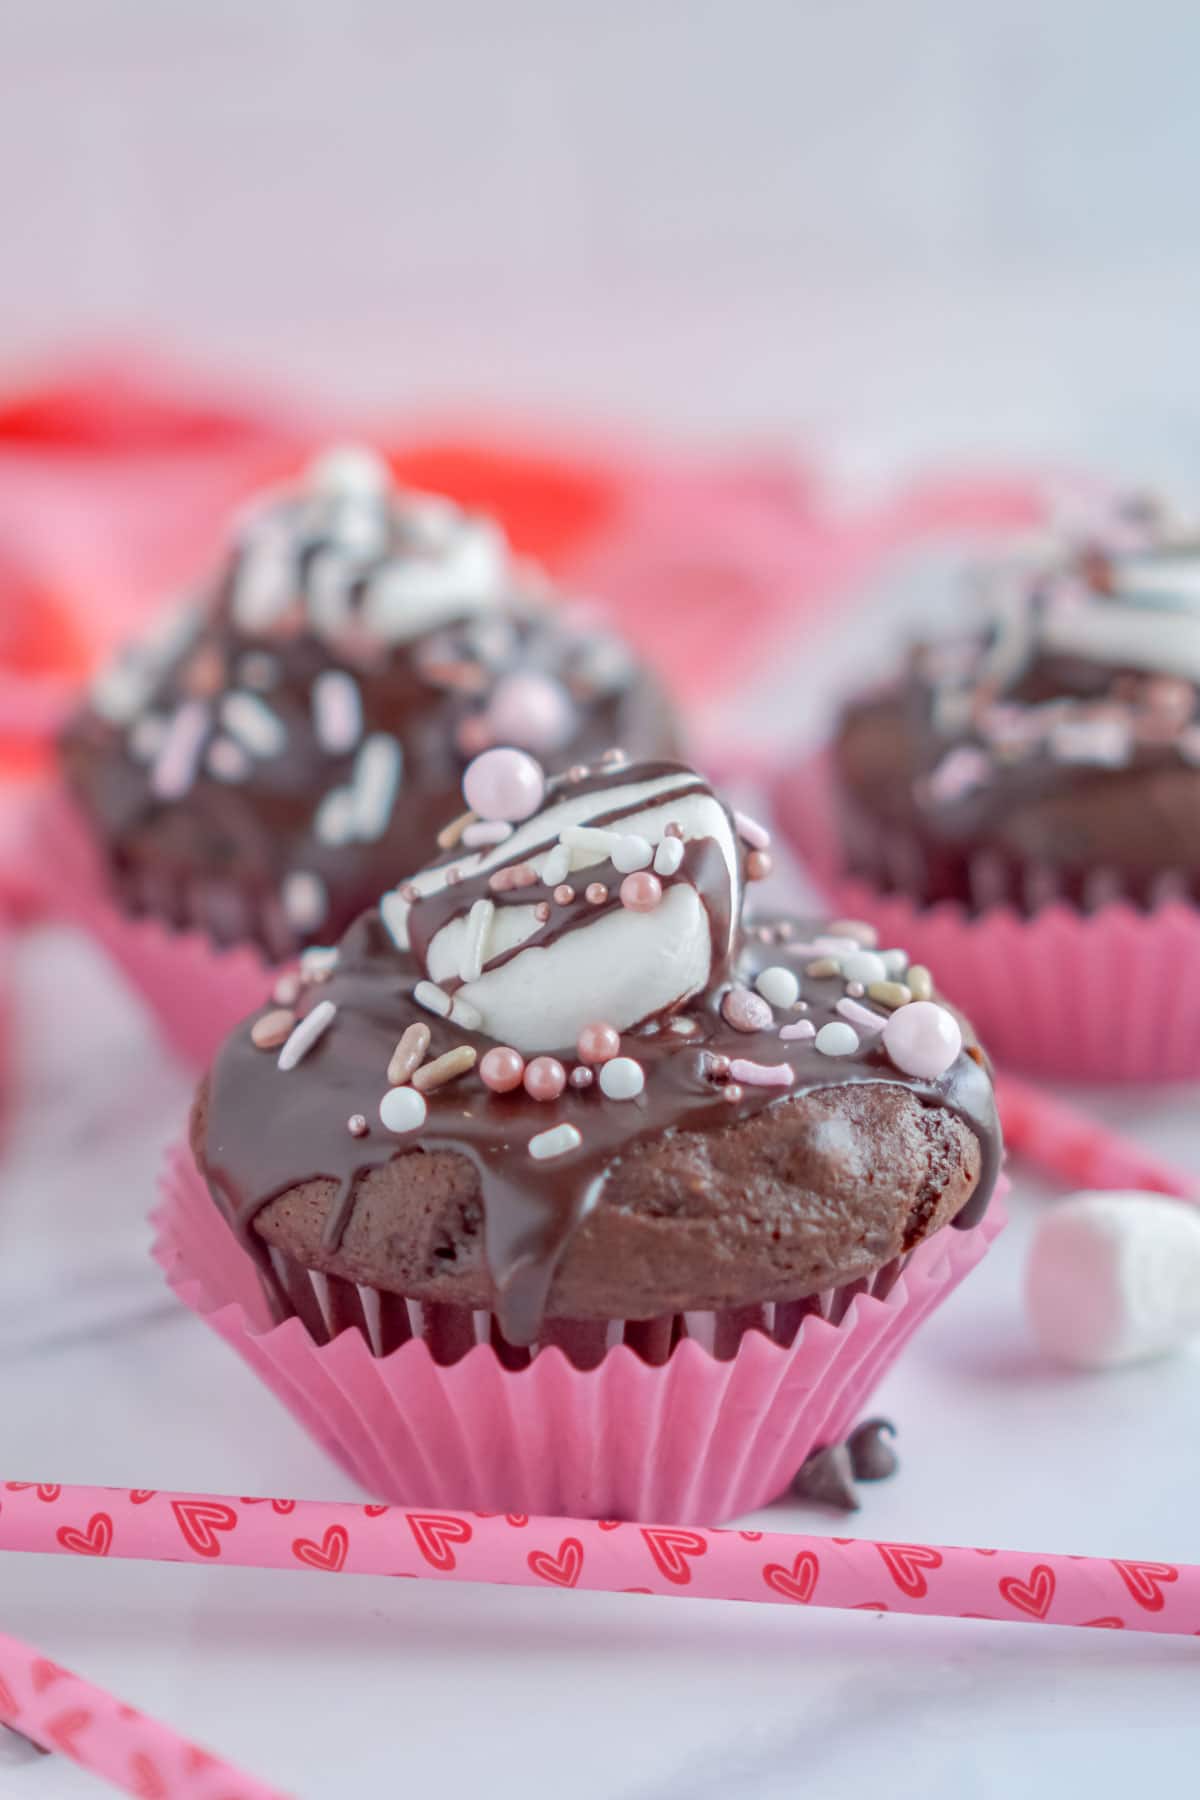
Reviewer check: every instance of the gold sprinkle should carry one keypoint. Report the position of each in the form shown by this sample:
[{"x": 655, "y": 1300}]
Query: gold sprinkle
[
  {"x": 273, "y": 1029},
  {"x": 445, "y": 1068},
  {"x": 408, "y": 1055},
  {"x": 919, "y": 981},
  {"x": 866, "y": 934},
  {"x": 450, "y": 834},
  {"x": 822, "y": 967},
  {"x": 889, "y": 993}
]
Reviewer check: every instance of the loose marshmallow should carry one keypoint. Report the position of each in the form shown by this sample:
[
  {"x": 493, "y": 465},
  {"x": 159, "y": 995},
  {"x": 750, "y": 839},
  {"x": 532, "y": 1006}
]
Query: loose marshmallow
[{"x": 1114, "y": 1278}]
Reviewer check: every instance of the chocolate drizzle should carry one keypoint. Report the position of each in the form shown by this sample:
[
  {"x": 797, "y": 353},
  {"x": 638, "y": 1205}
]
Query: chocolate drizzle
[{"x": 270, "y": 1132}]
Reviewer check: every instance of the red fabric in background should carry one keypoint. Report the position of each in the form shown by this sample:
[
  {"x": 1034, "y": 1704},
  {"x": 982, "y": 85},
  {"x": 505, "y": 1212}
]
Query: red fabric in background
[{"x": 116, "y": 482}]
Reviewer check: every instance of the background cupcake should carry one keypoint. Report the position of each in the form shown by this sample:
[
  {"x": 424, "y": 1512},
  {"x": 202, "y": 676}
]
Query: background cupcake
[
  {"x": 573, "y": 1182},
  {"x": 258, "y": 769},
  {"x": 1024, "y": 806}
]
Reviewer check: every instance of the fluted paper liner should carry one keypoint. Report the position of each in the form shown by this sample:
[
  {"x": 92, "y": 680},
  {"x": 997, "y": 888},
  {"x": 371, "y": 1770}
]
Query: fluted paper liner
[
  {"x": 1109, "y": 995},
  {"x": 694, "y": 1440}
]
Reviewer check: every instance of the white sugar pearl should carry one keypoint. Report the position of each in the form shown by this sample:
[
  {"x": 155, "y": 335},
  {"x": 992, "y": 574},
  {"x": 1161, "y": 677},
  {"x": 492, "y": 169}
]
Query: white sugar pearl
[
  {"x": 895, "y": 962},
  {"x": 778, "y": 986},
  {"x": 402, "y": 1109},
  {"x": 631, "y": 852},
  {"x": 836, "y": 1039},
  {"x": 865, "y": 966},
  {"x": 1114, "y": 1278},
  {"x": 621, "y": 1078}
]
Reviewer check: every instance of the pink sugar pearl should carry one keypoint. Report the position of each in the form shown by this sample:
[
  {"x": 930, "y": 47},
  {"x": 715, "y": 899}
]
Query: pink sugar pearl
[
  {"x": 597, "y": 1043},
  {"x": 922, "y": 1039},
  {"x": 504, "y": 784},
  {"x": 545, "y": 1078},
  {"x": 501, "y": 1069},
  {"x": 531, "y": 710},
  {"x": 641, "y": 892}
]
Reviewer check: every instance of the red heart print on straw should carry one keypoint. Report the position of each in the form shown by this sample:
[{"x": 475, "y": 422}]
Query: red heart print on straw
[{"x": 943, "y": 1580}]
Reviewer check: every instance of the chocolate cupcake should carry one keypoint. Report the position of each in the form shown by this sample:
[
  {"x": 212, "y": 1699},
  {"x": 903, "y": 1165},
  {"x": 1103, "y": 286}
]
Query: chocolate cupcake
[
  {"x": 261, "y": 766},
  {"x": 552, "y": 1100},
  {"x": 1023, "y": 806}
]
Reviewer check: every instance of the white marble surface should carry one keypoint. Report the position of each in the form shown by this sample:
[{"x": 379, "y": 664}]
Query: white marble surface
[{"x": 357, "y": 1686}]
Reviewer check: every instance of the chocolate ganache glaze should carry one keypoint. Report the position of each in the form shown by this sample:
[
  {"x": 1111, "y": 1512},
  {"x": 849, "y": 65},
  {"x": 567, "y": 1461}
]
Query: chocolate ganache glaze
[
  {"x": 261, "y": 764},
  {"x": 1054, "y": 754},
  {"x": 611, "y": 909}
]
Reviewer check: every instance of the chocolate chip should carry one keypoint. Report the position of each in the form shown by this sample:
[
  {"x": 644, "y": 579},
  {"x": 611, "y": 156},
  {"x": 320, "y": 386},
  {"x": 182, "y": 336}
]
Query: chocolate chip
[
  {"x": 828, "y": 1478},
  {"x": 872, "y": 1454}
]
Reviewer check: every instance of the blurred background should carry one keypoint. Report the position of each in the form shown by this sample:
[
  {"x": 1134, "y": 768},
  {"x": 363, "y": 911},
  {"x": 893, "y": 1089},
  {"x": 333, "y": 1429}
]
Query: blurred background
[{"x": 886, "y": 232}]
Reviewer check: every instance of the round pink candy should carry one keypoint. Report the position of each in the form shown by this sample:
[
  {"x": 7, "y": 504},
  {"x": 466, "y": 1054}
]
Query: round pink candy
[
  {"x": 531, "y": 710},
  {"x": 545, "y": 1078},
  {"x": 598, "y": 1043},
  {"x": 641, "y": 892},
  {"x": 501, "y": 1069},
  {"x": 504, "y": 784},
  {"x": 923, "y": 1039}
]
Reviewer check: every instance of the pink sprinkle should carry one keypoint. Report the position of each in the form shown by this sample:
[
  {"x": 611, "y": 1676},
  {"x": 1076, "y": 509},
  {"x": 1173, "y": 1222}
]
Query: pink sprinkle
[
  {"x": 762, "y": 1074},
  {"x": 175, "y": 769},
  {"x": 751, "y": 832},
  {"x": 862, "y": 1016},
  {"x": 640, "y": 892},
  {"x": 799, "y": 1031}
]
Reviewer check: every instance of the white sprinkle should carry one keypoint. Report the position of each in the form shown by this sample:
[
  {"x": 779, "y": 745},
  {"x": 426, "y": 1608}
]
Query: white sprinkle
[
  {"x": 557, "y": 865},
  {"x": 318, "y": 960},
  {"x": 621, "y": 1078},
  {"x": 751, "y": 832},
  {"x": 1108, "y": 743},
  {"x": 147, "y": 735},
  {"x": 330, "y": 574},
  {"x": 305, "y": 899},
  {"x": 333, "y": 822},
  {"x": 895, "y": 962},
  {"x": 486, "y": 831},
  {"x": 313, "y": 1025},
  {"x": 337, "y": 711},
  {"x": 433, "y": 998},
  {"x": 862, "y": 1016},
  {"x": 252, "y": 722},
  {"x": 175, "y": 769},
  {"x": 555, "y": 1142},
  {"x": 395, "y": 910},
  {"x": 778, "y": 986},
  {"x": 258, "y": 669},
  {"x": 631, "y": 852},
  {"x": 835, "y": 946},
  {"x": 799, "y": 1031},
  {"x": 475, "y": 941},
  {"x": 464, "y": 1014},
  {"x": 227, "y": 760},
  {"x": 865, "y": 966},
  {"x": 376, "y": 778},
  {"x": 264, "y": 585},
  {"x": 361, "y": 530},
  {"x": 402, "y": 1109},
  {"x": 836, "y": 1039},
  {"x": 592, "y": 838},
  {"x": 348, "y": 472},
  {"x": 668, "y": 856},
  {"x": 761, "y": 1074}
]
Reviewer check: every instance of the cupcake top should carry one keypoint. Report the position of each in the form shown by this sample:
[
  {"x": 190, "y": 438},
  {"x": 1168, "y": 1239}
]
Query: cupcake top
[
  {"x": 555, "y": 1073},
  {"x": 1055, "y": 750},
  {"x": 262, "y": 762}
]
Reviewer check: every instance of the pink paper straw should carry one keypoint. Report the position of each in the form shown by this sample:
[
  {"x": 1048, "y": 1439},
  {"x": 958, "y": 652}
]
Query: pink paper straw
[
  {"x": 1075, "y": 1149},
  {"x": 339, "y": 1537},
  {"x": 64, "y": 1713}
]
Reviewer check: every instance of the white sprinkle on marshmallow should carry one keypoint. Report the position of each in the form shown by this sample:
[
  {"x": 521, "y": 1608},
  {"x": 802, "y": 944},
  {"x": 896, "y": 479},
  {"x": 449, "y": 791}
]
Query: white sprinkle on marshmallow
[
  {"x": 402, "y": 1109},
  {"x": 621, "y": 1078},
  {"x": 751, "y": 832},
  {"x": 337, "y": 711},
  {"x": 481, "y": 833},
  {"x": 557, "y": 865},
  {"x": 668, "y": 856},
  {"x": 555, "y": 1142},
  {"x": 778, "y": 986},
  {"x": 376, "y": 778},
  {"x": 251, "y": 721},
  {"x": 596, "y": 840},
  {"x": 175, "y": 769},
  {"x": 312, "y": 1026},
  {"x": 631, "y": 851},
  {"x": 433, "y": 998},
  {"x": 475, "y": 941},
  {"x": 836, "y": 1039}
]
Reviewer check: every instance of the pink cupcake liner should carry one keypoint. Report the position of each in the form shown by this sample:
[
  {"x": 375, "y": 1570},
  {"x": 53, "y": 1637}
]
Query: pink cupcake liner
[
  {"x": 196, "y": 992},
  {"x": 1109, "y": 995},
  {"x": 691, "y": 1441}
]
